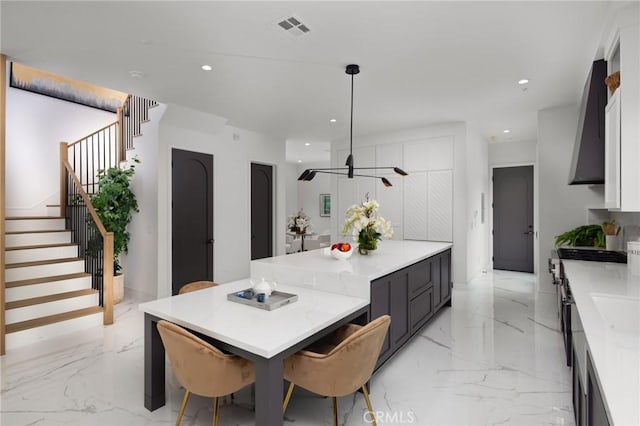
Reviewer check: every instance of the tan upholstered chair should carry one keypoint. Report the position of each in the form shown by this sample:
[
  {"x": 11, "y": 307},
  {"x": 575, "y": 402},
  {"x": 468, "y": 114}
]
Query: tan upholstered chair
[
  {"x": 196, "y": 285},
  {"x": 339, "y": 365},
  {"x": 201, "y": 368}
]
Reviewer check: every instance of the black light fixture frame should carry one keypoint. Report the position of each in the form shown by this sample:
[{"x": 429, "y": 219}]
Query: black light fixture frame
[{"x": 349, "y": 170}]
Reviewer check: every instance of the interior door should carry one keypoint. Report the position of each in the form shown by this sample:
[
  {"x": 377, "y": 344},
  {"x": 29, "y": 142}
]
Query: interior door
[
  {"x": 261, "y": 211},
  {"x": 192, "y": 217},
  {"x": 513, "y": 218}
]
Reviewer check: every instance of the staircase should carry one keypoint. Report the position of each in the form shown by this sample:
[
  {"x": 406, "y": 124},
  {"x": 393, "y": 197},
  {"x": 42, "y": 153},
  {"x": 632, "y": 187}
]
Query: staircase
[
  {"x": 49, "y": 287},
  {"x": 47, "y": 291}
]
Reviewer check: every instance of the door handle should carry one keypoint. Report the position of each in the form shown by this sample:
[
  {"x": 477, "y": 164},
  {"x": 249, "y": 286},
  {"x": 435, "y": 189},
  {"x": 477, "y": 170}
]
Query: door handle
[
  {"x": 210, "y": 241},
  {"x": 528, "y": 233}
]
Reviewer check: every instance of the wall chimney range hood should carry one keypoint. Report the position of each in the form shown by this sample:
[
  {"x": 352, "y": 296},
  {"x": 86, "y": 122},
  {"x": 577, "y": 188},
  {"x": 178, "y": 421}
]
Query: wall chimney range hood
[{"x": 587, "y": 163}]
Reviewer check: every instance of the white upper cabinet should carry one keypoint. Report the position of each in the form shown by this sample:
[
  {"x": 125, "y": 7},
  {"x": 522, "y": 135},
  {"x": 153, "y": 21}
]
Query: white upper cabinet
[
  {"x": 622, "y": 121},
  {"x": 431, "y": 154},
  {"x": 389, "y": 155}
]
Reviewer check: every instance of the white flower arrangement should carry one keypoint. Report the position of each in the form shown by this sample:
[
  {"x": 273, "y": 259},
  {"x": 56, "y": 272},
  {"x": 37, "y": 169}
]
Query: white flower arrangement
[
  {"x": 298, "y": 222},
  {"x": 366, "y": 226}
]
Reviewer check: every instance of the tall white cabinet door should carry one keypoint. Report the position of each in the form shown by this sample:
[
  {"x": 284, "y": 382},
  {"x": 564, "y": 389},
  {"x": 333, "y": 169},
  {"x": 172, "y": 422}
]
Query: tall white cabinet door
[
  {"x": 390, "y": 200},
  {"x": 431, "y": 154},
  {"x": 612, "y": 152},
  {"x": 440, "y": 206},
  {"x": 415, "y": 206},
  {"x": 353, "y": 191}
]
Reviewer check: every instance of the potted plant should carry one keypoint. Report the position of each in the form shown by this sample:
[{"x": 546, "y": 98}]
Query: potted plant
[
  {"x": 582, "y": 236},
  {"x": 611, "y": 232},
  {"x": 366, "y": 226},
  {"x": 115, "y": 204}
]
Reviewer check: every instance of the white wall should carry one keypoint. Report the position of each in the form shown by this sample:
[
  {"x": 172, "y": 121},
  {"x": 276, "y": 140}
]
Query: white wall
[
  {"x": 140, "y": 264},
  {"x": 512, "y": 153},
  {"x": 233, "y": 151},
  {"x": 561, "y": 206},
  {"x": 458, "y": 132},
  {"x": 477, "y": 157},
  {"x": 291, "y": 188},
  {"x": 309, "y": 197},
  {"x": 36, "y": 125}
]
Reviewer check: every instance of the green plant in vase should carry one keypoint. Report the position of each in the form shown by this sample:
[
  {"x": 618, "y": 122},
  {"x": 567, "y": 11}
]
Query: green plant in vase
[
  {"x": 115, "y": 204},
  {"x": 366, "y": 226}
]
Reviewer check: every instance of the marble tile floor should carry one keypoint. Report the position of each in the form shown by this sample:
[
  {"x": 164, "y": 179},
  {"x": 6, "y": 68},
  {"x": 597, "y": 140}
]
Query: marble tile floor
[{"x": 494, "y": 358}]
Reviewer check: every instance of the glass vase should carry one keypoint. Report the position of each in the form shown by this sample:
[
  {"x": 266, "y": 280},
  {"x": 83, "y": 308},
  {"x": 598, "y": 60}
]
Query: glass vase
[{"x": 367, "y": 246}]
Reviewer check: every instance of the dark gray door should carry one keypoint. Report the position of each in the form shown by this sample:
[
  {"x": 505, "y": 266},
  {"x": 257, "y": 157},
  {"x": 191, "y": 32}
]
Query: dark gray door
[
  {"x": 261, "y": 211},
  {"x": 513, "y": 218},
  {"x": 191, "y": 217}
]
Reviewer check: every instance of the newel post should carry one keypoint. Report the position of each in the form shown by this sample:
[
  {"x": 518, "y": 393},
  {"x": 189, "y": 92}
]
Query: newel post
[
  {"x": 107, "y": 284},
  {"x": 64, "y": 157}
]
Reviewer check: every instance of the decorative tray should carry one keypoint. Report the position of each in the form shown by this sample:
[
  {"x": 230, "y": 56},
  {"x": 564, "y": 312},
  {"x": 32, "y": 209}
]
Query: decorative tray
[{"x": 277, "y": 299}]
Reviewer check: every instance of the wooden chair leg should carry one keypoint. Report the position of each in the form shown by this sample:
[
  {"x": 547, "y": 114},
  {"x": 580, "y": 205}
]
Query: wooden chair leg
[
  {"x": 185, "y": 398},
  {"x": 368, "y": 401},
  {"x": 335, "y": 411},
  {"x": 216, "y": 410},
  {"x": 288, "y": 397}
]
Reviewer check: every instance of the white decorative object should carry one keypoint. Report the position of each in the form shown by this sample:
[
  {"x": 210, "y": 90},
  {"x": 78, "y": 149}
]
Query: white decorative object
[
  {"x": 339, "y": 254},
  {"x": 612, "y": 242},
  {"x": 263, "y": 287},
  {"x": 633, "y": 257}
]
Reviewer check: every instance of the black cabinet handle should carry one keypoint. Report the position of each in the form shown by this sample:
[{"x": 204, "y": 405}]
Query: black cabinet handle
[{"x": 210, "y": 241}]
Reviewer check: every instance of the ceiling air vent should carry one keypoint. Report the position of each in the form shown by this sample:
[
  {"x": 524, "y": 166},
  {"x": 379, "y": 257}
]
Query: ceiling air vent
[{"x": 293, "y": 26}]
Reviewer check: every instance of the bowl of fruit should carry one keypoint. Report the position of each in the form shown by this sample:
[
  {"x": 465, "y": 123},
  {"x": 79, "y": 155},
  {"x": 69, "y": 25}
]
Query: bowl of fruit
[{"x": 341, "y": 250}]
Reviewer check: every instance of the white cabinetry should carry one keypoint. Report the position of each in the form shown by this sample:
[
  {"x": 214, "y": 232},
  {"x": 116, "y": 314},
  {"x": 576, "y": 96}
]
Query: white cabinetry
[
  {"x": 622, "y": 140},
  {"x": 420, "y": 205},
  {"x": 612, "y": 152}
]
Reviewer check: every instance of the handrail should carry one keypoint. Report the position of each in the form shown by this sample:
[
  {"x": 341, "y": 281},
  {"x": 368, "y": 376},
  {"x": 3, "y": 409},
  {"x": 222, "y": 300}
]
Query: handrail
[
  {"x": 85, "y": 198},
  {"x": 93, "y": 134}
]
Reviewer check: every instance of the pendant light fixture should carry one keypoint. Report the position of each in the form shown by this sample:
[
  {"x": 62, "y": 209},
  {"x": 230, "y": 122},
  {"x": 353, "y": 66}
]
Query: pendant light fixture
[{"x": 349, "y": 170}]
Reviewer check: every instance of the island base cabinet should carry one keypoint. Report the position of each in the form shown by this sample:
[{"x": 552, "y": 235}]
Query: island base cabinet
[
  {"x": 410, "y": 296},
  {"x": 421, "y": 309},
  {"x": 596, "y": 412}
]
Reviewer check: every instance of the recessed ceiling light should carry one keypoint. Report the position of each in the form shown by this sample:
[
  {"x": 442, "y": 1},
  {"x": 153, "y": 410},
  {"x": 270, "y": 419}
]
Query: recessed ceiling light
[
  {"x": 506, "y": 131},
  {"x": 136, "y": 74},
  {"x": 206, "y": 67},
  {"x": 299, "y": 161},
  {"x": 333, "y": 120},
  {"x": 523, "y": 81},
  {"x": 307, "y": 143}
]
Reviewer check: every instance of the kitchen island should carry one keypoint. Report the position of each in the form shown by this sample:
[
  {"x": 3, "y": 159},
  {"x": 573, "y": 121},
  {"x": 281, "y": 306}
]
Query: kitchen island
[
  {"x": 607, "y": 369},
  {"x": 408, "y": 280}
]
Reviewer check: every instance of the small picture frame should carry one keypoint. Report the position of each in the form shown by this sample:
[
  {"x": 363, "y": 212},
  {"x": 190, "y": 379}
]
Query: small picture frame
[{"x": 325, "y": 205}]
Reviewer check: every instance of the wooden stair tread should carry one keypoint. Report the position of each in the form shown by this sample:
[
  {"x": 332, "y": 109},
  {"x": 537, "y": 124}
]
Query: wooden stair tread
[
  {"x": 51, "y": 319},
  {"x": 38, "y": 246},
  {"x": 49, "y": 298},
  {"x": 41, "y": 262},
  {"x": 42, "y": 280},
  {"x": 33, "y": 217},
  {"x": 37, "y": 232}
]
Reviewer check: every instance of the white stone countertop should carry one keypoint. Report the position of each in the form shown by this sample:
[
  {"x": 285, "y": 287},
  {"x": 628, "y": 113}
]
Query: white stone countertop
[
  {"x": 265, "y": 333},
  {"x": 607, "y": 296},
  {"x": 351, "y": 276}
]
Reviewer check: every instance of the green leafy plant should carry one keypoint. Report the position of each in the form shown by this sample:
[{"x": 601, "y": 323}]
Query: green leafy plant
[
  {"x": 115, "y": 204},
  {"x": 583, "y": 236}
]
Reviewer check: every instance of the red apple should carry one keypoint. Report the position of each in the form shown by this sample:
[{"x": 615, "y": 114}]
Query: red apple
[
  {"x": 335, "y": 246},
  {"x": 345, "y": 247}
]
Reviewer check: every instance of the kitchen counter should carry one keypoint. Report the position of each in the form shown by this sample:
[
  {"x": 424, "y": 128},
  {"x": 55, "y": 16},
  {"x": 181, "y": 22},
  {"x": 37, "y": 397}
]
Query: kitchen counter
[
  {"x": 351, "y": 277},
  {"x": 607, "y": 297}
]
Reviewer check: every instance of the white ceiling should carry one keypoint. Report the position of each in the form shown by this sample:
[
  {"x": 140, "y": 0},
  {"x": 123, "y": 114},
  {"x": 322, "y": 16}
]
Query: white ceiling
[{"x": 421, "y": 62}]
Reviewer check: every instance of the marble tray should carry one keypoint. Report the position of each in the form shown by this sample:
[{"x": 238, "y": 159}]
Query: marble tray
[{"x": 277, "y": 300}]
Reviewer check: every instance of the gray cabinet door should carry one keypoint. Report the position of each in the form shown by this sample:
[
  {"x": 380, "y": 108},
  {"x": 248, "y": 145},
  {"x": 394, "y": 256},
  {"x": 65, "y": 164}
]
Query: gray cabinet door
[
  {"x": 400, "y": 329},
  {"x": 380, "y": 305}
]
